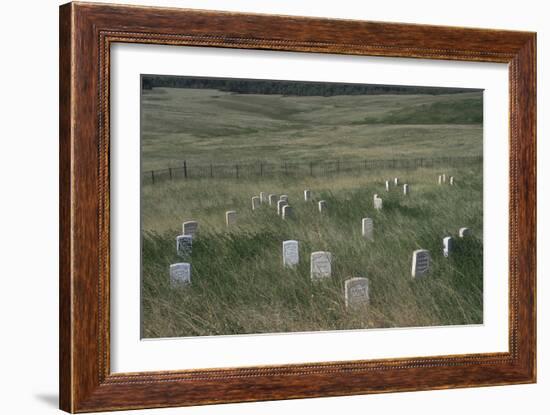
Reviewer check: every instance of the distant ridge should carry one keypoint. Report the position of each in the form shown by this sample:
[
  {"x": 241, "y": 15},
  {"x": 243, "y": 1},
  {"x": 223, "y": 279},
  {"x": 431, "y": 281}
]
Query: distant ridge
[{"x": 299, "y": 88}]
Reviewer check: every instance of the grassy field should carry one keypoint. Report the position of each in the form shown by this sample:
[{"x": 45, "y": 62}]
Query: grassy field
[
  {"x": 239, "y": 284},
  {"x": 205, "y": 126}
]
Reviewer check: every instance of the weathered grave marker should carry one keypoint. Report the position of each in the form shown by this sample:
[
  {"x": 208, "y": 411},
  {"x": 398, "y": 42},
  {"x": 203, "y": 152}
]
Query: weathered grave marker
[
  {"x": 255, "y": 202},
  {"x": 284, "y": 197},
  {"x": 378, "y": 203},
  {"x": 439, "y": 179},
  {"x": 180, "y": 274},
  {"x": 288, "y": 212},
  {"x": 272, "y": 199},
  {"x": 406, "y": 189},
  {"x": 322, "y": 206},
  {"x": 420, "y": 263},
  {"x": 291, "y": 253},
  {"x": 387, "y": 185},
  {"x": 190, "y": 227},
  {"x": 367, "y": 227},
  {"x": 452, "y": 180},
  {"x": 263, "y": 197},
  {"x": 184, "y": 245},
  {"x": 396, "y": 181},
  {"x": 280, "y": 205},
  {"x": 321, "y": 265},
  {"x": 464, "y": 232},
  {"x": 307, "y": 195},
  {"x": 444, "y": 178},
  {"x": 230, "y": 217},
  {"x": 447, "y": 246},
  {"x": 356, "y": 291}
]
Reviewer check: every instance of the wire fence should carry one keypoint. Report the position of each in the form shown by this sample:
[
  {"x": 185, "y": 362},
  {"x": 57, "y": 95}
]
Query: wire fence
[{"x": 189, "y": 170}]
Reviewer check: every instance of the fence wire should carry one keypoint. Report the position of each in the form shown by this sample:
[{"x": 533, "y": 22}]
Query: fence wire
[{"x": 188, "y": 170}]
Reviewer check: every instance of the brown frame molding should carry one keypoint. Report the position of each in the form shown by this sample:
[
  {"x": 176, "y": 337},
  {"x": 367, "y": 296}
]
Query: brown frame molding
[{"x": 86, "y": 33}]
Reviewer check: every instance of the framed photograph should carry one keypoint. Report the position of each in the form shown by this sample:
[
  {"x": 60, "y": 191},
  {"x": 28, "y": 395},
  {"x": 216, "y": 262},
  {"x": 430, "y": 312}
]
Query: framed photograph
[{"x": 260, "y": 207}]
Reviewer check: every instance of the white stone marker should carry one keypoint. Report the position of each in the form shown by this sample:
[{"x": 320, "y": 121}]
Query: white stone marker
[
  {"x": 396, "y": 181},
  {"x": 280, "y": 205},
  {"x": 367, "y": 227},
  {"x": 420, "y": 263},
  {"x": 180, "y": 274},
  {"x": 230, "y": 217},
  {"x": 255, "y": 202},
  {"x": 284, "y": 197},
  {"x": 272, "y": 199},
  {"x": 464, "y": 232},
  {"x": 356, "y": 291},
  {"x": 452, "y": 180},
  {"x": 321, "y": 265},
  {"x": 263, "y": 197},
  {"x": 184, "y": 245},
  {"x": 439, "y": 179},
  {"x": 378, "y": 203},
  {"x": 447, "y": 246},
  {"x": 307, "y": 195},
  {"x": 387, "y": 185},
  {"x": 291, "y": 253},
  {"x": 288, "y": 212},
  {"x": 322, "y": 205},
  {"x": 406, "y": 189},
  {"x": 444, "y": 178},
  {"x": 190, "y": 227}
]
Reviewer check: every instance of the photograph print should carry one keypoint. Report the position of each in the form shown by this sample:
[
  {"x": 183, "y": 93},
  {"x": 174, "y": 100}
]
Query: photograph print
[{"x": 276, "y": 206}]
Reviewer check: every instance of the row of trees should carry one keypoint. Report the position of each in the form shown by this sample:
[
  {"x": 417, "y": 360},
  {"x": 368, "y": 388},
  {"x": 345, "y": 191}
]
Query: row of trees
[{"x": 257, "y": 86}]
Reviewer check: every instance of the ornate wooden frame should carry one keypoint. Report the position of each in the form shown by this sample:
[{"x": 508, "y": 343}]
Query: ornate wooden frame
[{"x": 86, "y": 33}]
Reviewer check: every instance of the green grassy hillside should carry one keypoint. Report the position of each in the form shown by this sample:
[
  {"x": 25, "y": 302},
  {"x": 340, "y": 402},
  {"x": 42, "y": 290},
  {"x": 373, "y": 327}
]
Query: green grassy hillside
[
  {"x": 208, "y": 126},
  {"x": 238, "y": 282}
]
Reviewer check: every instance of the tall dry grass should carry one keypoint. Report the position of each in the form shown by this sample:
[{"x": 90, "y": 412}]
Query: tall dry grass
[{"x": 239, "y": 284}]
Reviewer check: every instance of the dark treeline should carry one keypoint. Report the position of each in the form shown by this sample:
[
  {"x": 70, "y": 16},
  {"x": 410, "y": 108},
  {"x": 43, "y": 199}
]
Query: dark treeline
[{"x": 271, "y": 87}]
